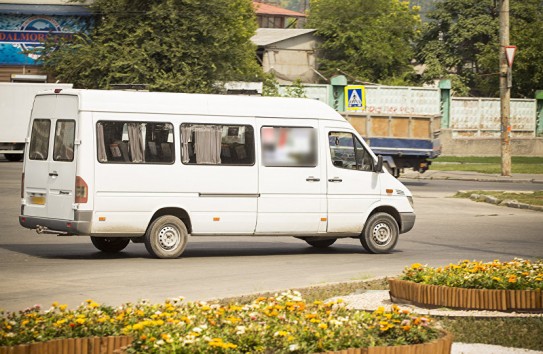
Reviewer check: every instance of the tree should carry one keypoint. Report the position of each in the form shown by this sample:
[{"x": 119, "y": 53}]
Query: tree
[
  {"x": 171, "y": 45},
  {"x": 461, "y": 42},
  {"x": 367, "y": 40}
]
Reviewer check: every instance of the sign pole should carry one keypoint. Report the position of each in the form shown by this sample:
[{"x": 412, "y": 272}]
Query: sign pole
[{"x": 505, "y": 88}]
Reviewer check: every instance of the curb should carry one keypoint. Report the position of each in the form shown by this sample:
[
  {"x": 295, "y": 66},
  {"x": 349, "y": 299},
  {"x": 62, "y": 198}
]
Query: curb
[
  {"x": 511, "y": 203},
  {"x": 475, "y": 179}
]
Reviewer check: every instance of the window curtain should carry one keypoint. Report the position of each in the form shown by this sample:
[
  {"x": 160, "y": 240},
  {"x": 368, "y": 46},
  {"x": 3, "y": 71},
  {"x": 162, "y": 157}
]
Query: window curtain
[
  {"x": 208, "y": 145},
  {"x": 102, "y": 156},
  {"x": 135, "y": 140},
  {"x": 186, "y": 133}
]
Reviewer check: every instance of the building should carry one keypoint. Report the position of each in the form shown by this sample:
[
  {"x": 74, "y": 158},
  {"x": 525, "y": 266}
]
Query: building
[
  {"x": 24, "y": 25},
  {"x": 270, "y": 16},
  {"x": 290, "y": 54}
]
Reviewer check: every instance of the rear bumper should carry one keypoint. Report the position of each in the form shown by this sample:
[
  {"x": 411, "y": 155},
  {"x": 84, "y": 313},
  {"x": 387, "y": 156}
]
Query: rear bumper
[
  {"x": 408, "y": 221},
  {"x": 81, "y": 225}
]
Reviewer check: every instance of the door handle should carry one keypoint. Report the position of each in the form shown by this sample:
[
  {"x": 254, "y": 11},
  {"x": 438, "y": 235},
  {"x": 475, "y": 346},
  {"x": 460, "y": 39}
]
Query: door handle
[
  {"x": 53, "y": 174},
  {"x": 312, "y": 179},
  {"x": 335, "y": 179}
]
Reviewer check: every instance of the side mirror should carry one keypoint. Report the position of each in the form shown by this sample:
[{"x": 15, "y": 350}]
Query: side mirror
[{"x": 379, "y": 164}]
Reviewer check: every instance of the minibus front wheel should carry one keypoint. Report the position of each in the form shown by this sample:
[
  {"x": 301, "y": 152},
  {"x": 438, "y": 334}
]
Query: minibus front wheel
[
  {"x": 166, "y": 237},
  {"x": 380, "y": 233}
]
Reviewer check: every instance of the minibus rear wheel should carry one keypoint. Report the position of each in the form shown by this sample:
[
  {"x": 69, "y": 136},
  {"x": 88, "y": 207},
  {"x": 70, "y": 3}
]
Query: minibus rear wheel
[
  {"x": 166, "y": 237},
  {"x": 380, "y": 233},
  {"x": 110, "y": 244}
]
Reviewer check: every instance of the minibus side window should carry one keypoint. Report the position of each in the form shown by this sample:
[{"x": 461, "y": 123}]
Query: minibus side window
[
  {"x": 63, "y": 149},
  {"x": 39, "y": 141},
  {"x": 288, "y": 146},
  {"x": 348, "y": 152},
  {"x": 135, "y": 142},
  {"x": 217, "y": 144}
]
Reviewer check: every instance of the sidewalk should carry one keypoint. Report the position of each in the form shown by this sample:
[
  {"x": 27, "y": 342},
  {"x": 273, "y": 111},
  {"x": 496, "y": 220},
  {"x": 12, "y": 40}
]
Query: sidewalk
[{"x": 473, "y": 176}]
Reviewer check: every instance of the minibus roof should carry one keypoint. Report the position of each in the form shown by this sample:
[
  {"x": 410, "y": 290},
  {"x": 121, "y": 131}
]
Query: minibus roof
[{"x": 200, "y": 104}]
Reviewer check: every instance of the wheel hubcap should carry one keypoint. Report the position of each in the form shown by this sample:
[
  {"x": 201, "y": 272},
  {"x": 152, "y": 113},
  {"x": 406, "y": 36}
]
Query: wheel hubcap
[
  {"x": 169, "y": 238},
  {"x": 381, "y": 234}
]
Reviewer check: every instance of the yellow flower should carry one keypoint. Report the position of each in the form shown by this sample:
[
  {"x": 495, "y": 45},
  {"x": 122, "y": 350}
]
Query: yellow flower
[
  {"x": 512, "y": 279},
  {"x": 323, "y": 326}
]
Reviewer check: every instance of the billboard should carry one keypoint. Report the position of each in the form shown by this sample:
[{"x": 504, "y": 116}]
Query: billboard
[{"x": 20, "y": 33}]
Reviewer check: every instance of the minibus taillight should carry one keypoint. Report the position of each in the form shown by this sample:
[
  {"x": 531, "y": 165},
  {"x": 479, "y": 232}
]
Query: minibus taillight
[{"x": 81, "y": 190}]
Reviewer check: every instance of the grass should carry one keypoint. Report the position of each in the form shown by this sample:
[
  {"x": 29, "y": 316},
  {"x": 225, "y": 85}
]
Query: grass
[
  {"x": 516, "y": 332},
  {"x": 532, "y": 198},
  {"x": 488, "y": 164}
]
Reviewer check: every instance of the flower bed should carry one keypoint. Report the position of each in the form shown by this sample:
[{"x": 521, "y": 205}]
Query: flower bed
[
  {"x": 283, "y": 324},
  {"x": 514, "y": 285}
]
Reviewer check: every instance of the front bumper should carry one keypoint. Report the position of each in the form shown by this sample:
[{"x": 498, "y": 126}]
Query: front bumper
[
  {"x": 81, "y": 225},
  {"x": 407, "y": 222}
]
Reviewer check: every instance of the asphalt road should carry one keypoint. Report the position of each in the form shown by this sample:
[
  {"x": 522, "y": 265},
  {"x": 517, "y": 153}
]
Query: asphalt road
[{"x": 38, "y": 269}]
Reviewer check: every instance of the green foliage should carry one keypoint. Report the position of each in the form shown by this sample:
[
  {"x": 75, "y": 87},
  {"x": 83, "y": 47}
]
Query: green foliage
[
  {"x": 461, "y": 42},
  {"x": 515, "y": 332},
  {"x": 369, "y": 40},
  {"x": 488, "y": 164},
  {"x": 270, "y": 86},
  {"x": 171, "y": 45},
  {"x": 295, "y": 90}
]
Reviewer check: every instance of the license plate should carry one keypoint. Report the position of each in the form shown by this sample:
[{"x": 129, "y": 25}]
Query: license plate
[{"x": 37, "y": 200}]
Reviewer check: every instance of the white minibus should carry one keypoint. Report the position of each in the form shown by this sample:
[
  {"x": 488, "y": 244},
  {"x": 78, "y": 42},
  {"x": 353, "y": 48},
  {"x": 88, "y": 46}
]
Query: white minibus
[{"x": 156, "y": 168}]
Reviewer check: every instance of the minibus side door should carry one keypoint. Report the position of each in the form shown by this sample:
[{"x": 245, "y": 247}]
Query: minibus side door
[{"x": 291, "y": 177}]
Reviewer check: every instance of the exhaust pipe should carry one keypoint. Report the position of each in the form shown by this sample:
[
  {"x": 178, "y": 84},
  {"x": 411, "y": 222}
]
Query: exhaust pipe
[{"x": 44, "y": 230}]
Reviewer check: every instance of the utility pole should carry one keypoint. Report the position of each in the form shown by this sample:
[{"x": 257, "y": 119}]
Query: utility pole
[{"x": 505, "y": 89}]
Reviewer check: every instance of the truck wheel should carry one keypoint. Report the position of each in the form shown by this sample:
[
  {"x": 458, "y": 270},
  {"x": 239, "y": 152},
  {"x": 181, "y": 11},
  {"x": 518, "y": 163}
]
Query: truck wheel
[
  {"x": 14, "y": 157},
  {"x": 380, "y": 233},
  {"x": 393, "y": 171},
  {"x": 166, "y": 237},
  {"x": 317, "y": 242},
  {"x": 110, "y": 244}
]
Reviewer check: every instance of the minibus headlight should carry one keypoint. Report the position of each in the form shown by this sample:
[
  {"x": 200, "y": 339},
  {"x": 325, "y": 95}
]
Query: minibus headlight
[{"x": 410, "y": 198}]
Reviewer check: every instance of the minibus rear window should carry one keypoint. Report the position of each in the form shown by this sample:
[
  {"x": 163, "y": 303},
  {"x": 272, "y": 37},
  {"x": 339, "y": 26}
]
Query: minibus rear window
[
  {"x": 39, "y": 140},
  {"x": 217, "y": 144},
  {"x": 63, "y": 149},
  {"x": 135, "y": 142}
]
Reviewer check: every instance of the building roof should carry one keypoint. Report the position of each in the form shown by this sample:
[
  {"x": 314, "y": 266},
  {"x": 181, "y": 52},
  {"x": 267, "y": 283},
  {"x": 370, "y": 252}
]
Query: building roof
[
  {"x": 266, "y": 9},
  {"x": 267, "y": 36},
  {"x": 34, "y": 9}
]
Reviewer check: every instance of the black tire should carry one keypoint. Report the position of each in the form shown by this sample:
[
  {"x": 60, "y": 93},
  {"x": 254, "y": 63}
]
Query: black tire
[
  {"x": 110, "y": 244},
  {"x": 166, "y": 237},
  {"x": 393, "y": 171},
  {"x": 317, "y": 242},
  {"x": 14, "y": 157},
  {"x": 380, "y": 233}
]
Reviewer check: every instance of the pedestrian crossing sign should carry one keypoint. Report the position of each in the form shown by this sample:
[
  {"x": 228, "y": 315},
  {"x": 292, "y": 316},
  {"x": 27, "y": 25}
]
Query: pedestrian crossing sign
[{"x": 355, "y": 98}]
